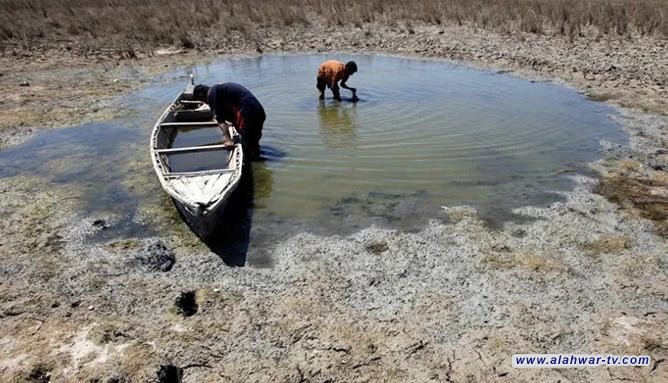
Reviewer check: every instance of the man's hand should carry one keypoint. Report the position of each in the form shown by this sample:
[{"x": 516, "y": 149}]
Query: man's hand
[
  {"x": 229, "y": 144},
  {"x": 227, "y": 137},
  {"x": 355, "y": 98}
]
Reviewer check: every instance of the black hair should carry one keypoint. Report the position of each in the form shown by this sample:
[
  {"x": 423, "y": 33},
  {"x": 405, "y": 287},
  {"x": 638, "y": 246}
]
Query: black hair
[
  {"x": 201, "y": 92},
  {"x": 351, "y": 67}
]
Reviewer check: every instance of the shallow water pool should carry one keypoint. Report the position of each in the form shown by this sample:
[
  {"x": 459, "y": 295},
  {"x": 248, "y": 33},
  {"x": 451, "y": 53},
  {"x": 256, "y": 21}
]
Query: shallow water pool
[{"x": 424, "y": 134}]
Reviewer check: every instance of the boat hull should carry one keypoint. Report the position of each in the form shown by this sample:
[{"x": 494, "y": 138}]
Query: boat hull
[
  {"x": 203, "y": 225},
  {"x": 196, "y": 186}
]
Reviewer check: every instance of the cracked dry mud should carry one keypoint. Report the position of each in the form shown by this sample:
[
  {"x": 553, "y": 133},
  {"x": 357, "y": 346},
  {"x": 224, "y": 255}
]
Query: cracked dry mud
[{"x": 451, "y": 302}]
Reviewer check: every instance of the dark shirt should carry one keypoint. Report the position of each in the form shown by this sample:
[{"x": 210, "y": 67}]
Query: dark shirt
[{"x": 234, "y": 103}]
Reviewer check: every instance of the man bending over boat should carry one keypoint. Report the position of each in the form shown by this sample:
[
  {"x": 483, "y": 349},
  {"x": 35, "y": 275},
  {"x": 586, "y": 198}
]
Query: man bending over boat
[
  {"x": 330, "y": 73},
  {"x": 232, "y": 102}
]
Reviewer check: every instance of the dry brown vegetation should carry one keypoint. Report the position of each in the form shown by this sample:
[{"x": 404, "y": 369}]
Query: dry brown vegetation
[
  {"x": 647, "y": 195},
  {"x": 123, "y": 23},
  {"x": 530, "y": 261},
  {"x": 608, "y": 244}
]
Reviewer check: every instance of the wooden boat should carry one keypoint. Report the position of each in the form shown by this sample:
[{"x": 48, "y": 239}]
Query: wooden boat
[{"x": 192, "y": 164}]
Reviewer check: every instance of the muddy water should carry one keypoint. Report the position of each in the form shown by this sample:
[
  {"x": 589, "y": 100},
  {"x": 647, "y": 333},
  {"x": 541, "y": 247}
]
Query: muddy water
[{"x": 424, "y": 134}]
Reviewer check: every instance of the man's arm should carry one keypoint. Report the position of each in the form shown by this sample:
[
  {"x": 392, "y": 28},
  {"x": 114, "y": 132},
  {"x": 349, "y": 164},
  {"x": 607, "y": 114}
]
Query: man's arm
[
  {"x": 227, "y": 137},
  {"x": 354, "y": 90},
  {"x": 344, "y": 86}
]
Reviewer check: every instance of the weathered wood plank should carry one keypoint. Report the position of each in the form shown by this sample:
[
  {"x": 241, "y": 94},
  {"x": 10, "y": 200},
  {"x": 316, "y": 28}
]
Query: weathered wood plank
[
  {"x": 188, "y": 124},
  {"x": 200, "y": 173},
  {"x": 193, "y": 149}
]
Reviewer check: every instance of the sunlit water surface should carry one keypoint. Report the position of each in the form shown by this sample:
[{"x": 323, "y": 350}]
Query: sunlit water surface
[{"x": 424, "y": 134}]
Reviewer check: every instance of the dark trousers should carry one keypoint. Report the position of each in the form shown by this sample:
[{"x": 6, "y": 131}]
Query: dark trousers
[
  {"x": 321, "y": 84},
  {"x": 251, "y": 135}
]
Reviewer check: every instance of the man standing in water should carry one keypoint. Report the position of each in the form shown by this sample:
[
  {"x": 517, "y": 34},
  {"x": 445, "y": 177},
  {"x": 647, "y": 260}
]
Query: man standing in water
[
  {"x": 330, "y": 73},
  {"x": 232, "y": 102}
]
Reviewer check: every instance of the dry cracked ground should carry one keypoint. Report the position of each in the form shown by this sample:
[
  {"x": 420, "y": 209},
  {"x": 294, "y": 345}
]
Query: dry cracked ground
[{"x": 451, "y": 302}]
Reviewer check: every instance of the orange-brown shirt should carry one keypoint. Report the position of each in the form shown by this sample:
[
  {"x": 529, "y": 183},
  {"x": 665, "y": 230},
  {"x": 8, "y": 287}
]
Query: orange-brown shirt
[{"x": 332, "y": 71}]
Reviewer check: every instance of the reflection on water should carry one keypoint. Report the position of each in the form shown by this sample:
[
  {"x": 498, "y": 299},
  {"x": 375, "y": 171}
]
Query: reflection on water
[
  {"x": 262, "y": 181},
  {"x": 436, "y": 134},
  {"x": 337, "y": 125}
]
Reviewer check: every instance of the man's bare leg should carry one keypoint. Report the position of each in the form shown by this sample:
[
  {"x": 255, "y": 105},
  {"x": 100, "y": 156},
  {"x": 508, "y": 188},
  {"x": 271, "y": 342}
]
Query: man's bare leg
[{"x": 337, "y": 95}]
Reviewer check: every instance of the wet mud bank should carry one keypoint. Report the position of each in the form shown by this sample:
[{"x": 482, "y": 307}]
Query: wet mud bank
[
  {"x": 84, "y": 299},
  {"x": 452, "y": 301}
]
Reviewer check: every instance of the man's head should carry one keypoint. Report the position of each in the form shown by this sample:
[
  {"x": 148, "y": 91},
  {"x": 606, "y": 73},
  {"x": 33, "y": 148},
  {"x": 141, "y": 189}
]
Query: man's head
[
  {"x": 201, "y": 93},
  {"x": 351, "y": 68}
]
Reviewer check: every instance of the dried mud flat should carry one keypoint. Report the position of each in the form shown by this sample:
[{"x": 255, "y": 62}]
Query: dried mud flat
[{"x": 452, "y": 302}]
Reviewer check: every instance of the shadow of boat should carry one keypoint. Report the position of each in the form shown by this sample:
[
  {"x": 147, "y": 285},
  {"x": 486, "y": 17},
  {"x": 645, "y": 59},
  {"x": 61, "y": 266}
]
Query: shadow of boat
[{"x": 230, "y": 238}]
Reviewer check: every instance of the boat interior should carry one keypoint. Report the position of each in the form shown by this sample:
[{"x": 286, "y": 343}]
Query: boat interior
[{"x": 189, "y": 141}]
